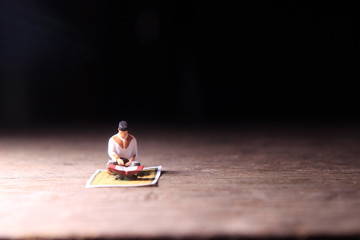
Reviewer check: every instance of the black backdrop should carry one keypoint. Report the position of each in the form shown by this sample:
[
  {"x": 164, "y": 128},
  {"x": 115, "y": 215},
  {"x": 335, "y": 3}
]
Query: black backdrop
[{"x": 98, "y": 61}]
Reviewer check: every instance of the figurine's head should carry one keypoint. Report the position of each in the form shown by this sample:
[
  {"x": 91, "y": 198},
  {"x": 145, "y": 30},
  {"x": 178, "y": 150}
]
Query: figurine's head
[
  {"x": 123, "y": 129},
  {"x": 123, "y": 126}
]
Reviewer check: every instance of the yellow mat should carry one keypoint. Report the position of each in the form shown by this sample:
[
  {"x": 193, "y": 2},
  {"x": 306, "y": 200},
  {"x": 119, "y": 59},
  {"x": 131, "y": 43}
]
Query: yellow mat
[{"x": 101, "y": 178}]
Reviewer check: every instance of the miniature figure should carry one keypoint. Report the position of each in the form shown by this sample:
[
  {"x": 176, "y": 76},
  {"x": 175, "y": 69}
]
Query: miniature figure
[{"x": 122, "y": 149}]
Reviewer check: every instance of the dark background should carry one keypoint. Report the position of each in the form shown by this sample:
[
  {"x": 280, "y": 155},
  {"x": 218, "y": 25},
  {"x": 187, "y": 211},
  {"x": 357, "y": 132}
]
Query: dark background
[{"x": 195, "y": 61}]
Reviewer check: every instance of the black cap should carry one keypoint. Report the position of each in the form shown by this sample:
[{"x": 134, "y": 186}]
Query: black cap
[{"x": 123, "y": 126}]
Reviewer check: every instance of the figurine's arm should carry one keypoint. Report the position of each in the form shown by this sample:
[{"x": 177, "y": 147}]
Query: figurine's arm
[
  {"x": 134, "y": 153},
  {"x": 112, "y": 153},
  {"x": 130, "y": 160}
]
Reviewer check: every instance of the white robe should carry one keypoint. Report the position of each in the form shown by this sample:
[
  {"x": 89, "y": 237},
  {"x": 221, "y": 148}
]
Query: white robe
[{"x": 115, "y": 150}]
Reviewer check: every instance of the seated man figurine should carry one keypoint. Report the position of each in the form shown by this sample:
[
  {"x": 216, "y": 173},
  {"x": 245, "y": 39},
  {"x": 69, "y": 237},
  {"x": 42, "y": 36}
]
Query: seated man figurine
[{"x": 122, "y": 148}]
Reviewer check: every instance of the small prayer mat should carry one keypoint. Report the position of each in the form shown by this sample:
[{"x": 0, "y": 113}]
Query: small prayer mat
[{"x": 101, "y": 178}]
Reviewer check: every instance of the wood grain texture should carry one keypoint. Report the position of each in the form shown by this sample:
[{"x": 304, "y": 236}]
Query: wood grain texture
[{"x": 248, "y": 181}]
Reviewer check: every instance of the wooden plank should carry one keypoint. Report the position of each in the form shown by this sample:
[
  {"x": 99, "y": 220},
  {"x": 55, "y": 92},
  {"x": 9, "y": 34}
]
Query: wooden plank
[{"x": 257, "y": 181}]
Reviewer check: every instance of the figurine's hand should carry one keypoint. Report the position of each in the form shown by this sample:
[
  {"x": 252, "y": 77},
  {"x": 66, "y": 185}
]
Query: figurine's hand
[
  {"x": 127, "y": 164},
  {"x": 120, "y": 162}
]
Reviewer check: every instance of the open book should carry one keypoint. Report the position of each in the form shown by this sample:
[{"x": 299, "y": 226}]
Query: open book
[{"x": 124, "y": 171}]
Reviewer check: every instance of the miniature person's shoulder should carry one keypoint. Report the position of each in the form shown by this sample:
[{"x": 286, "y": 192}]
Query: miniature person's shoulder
[
  {"x": 132, "y": 138},
  {"x": 113, "y": 137}
]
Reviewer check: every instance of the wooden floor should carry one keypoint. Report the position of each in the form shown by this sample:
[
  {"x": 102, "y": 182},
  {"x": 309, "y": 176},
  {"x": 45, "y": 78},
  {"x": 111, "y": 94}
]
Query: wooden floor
[{"x": 250, "y": 181}]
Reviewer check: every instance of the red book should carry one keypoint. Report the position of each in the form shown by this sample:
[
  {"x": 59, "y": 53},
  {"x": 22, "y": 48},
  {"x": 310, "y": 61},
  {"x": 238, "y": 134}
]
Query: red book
[{"x": 124, "y": 171}]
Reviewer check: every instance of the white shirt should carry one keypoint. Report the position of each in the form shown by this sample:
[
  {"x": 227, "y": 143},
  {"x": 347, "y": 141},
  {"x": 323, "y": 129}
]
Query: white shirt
[{"x": 117, "y": 147}]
